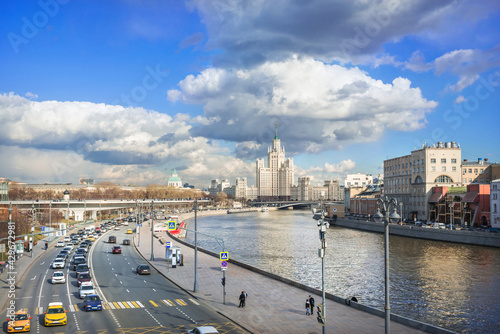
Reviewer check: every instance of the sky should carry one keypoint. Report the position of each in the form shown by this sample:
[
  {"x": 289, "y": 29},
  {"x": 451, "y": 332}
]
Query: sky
[{"x": 128, "y": 91}]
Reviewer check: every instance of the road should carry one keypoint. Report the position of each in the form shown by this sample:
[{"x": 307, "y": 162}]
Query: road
[{"x": 132, "y": 303}]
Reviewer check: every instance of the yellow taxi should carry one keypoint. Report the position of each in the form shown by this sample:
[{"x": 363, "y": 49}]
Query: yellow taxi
[
  {"x": 19, "y": 322},
  {"x": 91, "y": 238},
  {"x": 129, "y": 231},
  {"x": 55, "y": 315}
]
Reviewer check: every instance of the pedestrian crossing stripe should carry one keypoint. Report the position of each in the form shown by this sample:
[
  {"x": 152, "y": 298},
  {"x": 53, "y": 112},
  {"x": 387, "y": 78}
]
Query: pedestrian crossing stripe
[
  {"x": 135, "y": 304},
  {"x": 153, "y": 303},
  {"x": 129, "y": 305},
  {"x": 167, "y": 302},
  {"x": 193, "y": 301},
  {"x": 39, "y": 310},
  {"x": 72, "y": 308},
  {"x": 140, "y": 304},
  {"x": 116, "y": 305},
  {"x": 121, "y": 305},
  {"x": 180, "y": 301}
]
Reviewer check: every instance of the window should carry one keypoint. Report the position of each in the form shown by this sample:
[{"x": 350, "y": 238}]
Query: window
[
  {"x": 453, "y": 161},
  {"x": 470, "y": 170},
  {"x": 464, "y": 180},
  {"x": 443, "y": 179},
  {"x": 454, "y": 168},
  {"x": 470, "y": 180},
  {"x": 418, "y": 179},
  {"x": 481, "y": 171},
  {"x": 422, "y": 161},
  {"x": 433, "y": 161},
  {"x": 443, "y": 161},
  {"x": 475, "y": 170},
  {"x": 433, "y": 168},
  {"x": 443, "y": 168},
  {"x": 464, "y": 171}
]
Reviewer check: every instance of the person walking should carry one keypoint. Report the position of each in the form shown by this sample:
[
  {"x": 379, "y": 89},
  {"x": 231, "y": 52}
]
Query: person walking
[
  {"x": 311, "y": 303},
  {"x": 308, "y": 307},
  {"x": 242, "y": 299},
  {"x": 46, "y": 245}
]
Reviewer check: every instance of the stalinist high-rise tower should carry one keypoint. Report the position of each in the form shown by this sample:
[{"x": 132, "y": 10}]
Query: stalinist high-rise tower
[{"x": 275, "y": 181}]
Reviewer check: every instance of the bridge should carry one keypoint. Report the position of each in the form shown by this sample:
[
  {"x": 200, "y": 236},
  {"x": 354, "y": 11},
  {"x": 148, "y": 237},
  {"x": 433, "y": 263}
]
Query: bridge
[{"x": 78, "y": 208}]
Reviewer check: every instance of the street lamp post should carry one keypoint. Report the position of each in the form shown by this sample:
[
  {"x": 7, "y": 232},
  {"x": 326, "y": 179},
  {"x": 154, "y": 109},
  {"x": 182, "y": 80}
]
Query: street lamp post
[
  {"x": 195, "y": 288},
  {"x": 152, "y": 228},
  {"x": 394, "y": 217},
  {"x": 50, "y": 220},
  {"x": 451, "y": 216},
  {"x": 323, "y": 226},
  {"x": 32, "y": 228}
]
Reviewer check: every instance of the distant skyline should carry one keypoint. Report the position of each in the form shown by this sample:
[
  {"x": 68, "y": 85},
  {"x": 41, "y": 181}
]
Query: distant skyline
[{"x": 127, "y": 91}]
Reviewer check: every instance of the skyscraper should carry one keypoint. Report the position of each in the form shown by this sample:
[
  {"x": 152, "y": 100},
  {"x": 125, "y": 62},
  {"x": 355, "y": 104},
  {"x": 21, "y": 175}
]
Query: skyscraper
[{"x": 275, "y": 181}]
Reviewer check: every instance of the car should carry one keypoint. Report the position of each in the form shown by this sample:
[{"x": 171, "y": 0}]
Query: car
[
  {"x": 126, "y": 241},
  {"x": 125, "y": 223},
  {"x": 58, "y": 263},
  {"x": 77, "y": 261},
  {"x": 19, "y": 322},
  {"x": 91, "y": 238},
  {"x": 60, "y": 243},
  {"x": 92, "y": 302},
  {"x": 130, "y": 231},
  {"x": 112, "y": 239},
  {"x": 117, "y": 228},
  {"x": 83, "y": 277},
  {"x": 61, "y": 256},
  {"x": 64, "y": 252},
  {"x": 69, "y": 247},
  {"x": 84, "y": 246},
  {"x": 86, "y": 289},
  {"x": 82, "y": 267},
  {"x": 75, "y": 241},
  {"x": 81, "y": 252},
  {"x": 67, "y": 239},
  {"x": 143, "y": 269},
  {"x": 204, "y": 330},
  {"x": 55, "y": 315},
  {"x": 58, "y": 277},
  {"x": 116, "y": 250}
]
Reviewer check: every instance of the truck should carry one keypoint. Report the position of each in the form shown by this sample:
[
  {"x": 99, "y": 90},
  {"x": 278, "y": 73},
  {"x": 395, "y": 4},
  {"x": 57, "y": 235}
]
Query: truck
[{"x": 90, "y": 229}]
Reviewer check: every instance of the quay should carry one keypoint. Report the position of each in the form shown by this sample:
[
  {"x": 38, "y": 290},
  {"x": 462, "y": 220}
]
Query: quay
[
  {"x": 275, "y": 304},
  {"x": 463, "y": 237}
]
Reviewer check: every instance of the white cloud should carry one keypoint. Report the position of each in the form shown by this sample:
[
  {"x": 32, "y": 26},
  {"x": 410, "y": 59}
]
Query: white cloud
[
  {"x": 52, "y": 141},
  {"x": 460, "y": 99},
  {"x": 30, "y": 96},
  {"x": 318, "y": 106}
]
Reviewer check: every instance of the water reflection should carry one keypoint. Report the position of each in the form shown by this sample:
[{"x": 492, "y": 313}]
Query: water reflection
[{"x": 448, "y": 285}]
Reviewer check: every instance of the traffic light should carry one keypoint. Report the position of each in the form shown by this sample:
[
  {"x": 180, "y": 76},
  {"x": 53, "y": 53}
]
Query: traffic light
[
  {"x": 223, "y": 281},
  {"x": 320, "y": 317}
]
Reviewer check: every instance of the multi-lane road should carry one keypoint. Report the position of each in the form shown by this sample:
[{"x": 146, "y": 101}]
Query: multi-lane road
[{"x": 132, "y": 303}]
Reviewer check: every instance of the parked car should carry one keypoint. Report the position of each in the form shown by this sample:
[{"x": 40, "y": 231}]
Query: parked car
[
  {"x": 440, "y": 226},
  {"x": 204, "y": 330},
  {"x": 143, "y": 269},
  {"x": 92, "y": 303},
  {"x": 58, "y": 277}
]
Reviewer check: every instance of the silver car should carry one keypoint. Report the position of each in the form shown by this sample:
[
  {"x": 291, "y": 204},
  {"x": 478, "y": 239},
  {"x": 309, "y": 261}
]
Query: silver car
[{"x": 58, "y": 264}]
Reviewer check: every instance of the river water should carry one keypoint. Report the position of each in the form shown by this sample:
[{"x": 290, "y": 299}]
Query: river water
[{"x": 453, "y": 286}]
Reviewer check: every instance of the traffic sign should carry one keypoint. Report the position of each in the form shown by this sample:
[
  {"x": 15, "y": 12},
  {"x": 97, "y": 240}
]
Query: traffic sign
[
  {"x": 224, "y": 256},
  {"x": 168, "y": 244},
  {"x": 223, "y": 264},
  {"x": 172, "y": 225}
]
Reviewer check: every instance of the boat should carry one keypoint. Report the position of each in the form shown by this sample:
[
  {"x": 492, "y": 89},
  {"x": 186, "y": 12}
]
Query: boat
[
  {"x": 264, "y": 209},
  {"x": 317, "y": 214}
]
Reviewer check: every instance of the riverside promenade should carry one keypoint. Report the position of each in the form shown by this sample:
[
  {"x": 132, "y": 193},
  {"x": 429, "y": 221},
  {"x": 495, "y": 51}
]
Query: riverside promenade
[{"x": 273, "y": 306}]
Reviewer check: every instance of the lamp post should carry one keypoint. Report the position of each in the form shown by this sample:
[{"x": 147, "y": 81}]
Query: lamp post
[
  {"x": 401, "y": 210},
  {"x": 195, "y": 288},
  {"x": 323, "y": 226},
  {"x": 32, "y": 228},
  {"x": 394, "y": 217},
  {"x": 451, "y": 215},
  {"x": 152, "y": 228},
  {"x": 50, "y": 220}
]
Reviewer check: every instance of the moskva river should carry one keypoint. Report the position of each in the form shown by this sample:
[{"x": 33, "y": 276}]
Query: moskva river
[{"x": 453, "y": 286}]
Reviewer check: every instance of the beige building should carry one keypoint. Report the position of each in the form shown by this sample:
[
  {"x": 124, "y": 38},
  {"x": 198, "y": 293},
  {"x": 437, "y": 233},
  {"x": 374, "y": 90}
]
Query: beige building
[
  {"x": 480, "y": 171},
  {"x": 276, "y": 180},
  {"x": 410, "y": 178}
]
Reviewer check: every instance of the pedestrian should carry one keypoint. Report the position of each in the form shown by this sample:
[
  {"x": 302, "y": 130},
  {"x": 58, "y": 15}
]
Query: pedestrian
[
  {"x": 46, "y": 245},
  {"x": 242, "y": 299},
  {"x": 308, "y": 307},
  {"x": 311, "y": 303}
]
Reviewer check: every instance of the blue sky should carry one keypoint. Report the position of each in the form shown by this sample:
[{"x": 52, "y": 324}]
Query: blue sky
[{"x": 126, "y": 91}]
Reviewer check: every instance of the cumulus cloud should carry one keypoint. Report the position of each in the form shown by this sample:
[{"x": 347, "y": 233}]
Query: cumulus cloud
[
  {"x": 460, "y": 99},
  {"x": 254, "y": 32},
  {"x": 317, "y": 106},
  {"x": 64, "y": 140}
]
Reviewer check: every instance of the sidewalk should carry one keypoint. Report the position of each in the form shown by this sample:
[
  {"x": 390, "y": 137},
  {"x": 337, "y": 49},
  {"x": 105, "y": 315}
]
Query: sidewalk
[{"x": 272, "y": 306}]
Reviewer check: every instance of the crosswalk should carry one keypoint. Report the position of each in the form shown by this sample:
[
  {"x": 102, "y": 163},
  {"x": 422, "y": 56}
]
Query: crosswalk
[{"x": 133, "y": 304}]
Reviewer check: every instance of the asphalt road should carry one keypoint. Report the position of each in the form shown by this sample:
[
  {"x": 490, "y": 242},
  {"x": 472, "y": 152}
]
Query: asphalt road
[{"x": 132, "y": 303}]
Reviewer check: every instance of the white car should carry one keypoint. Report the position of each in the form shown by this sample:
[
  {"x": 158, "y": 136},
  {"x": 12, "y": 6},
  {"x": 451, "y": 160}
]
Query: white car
[
  {"x": 117, "y": 228},
  {"x": 60, "y": 243},
  {"x": 86, "y": 289},
  {"x": 58, "y": 263},
  {"x": 67, "y": 239},
  {"x": 70, "y": 245},
  {"x": 58, "y": 277},
  {"x": 204, "y": 330}
]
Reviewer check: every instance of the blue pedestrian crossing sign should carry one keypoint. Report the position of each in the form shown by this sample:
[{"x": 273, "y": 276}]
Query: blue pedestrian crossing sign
[
  {"x": 224, "y": 256},
  {"x": 172, "y": 225},
  {"x": 168, "y": 244}
]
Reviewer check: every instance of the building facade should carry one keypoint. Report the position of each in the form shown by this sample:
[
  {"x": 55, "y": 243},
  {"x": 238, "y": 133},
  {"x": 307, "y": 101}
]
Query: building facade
[
  {"x": 480, "y": 171},
  {"x": 175, "y": 181},
  {"x": 495, "y": 203},
  {"x": 410, "y": 178},
  {"x": 275, "y": 181},
  {"x": 358, "y": 180},
  {"x": 217, "y": 186},
  {"x": 4, "y": 189}
]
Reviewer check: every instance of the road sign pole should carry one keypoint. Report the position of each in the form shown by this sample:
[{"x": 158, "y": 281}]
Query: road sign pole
[{"x": 224, "y": 287}]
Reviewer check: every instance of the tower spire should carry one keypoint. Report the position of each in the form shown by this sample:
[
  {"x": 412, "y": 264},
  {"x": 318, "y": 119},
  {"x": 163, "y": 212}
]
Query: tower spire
[{"x": 275, "y": 130}]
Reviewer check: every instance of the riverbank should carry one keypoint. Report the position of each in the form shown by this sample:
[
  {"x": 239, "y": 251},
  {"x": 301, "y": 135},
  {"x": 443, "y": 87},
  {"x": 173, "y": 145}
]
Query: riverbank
[
  {"x": 463, "y": 237},
  {"x": 338, "y": 304}
]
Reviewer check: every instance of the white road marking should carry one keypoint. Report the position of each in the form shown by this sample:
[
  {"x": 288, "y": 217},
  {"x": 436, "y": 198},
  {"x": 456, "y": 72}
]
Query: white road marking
[
  {"x": 139, "y": 303},
  {"x": 121, "y": 282},
  {"x": 33, "y": 278},
  {"x": 154, "y": 290},
  {"x": 153, "y": 317},
  {"x": 130, "y": 304},
  {"x": 194, "y": 301},
  {"x": 127, "y": 290}
]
